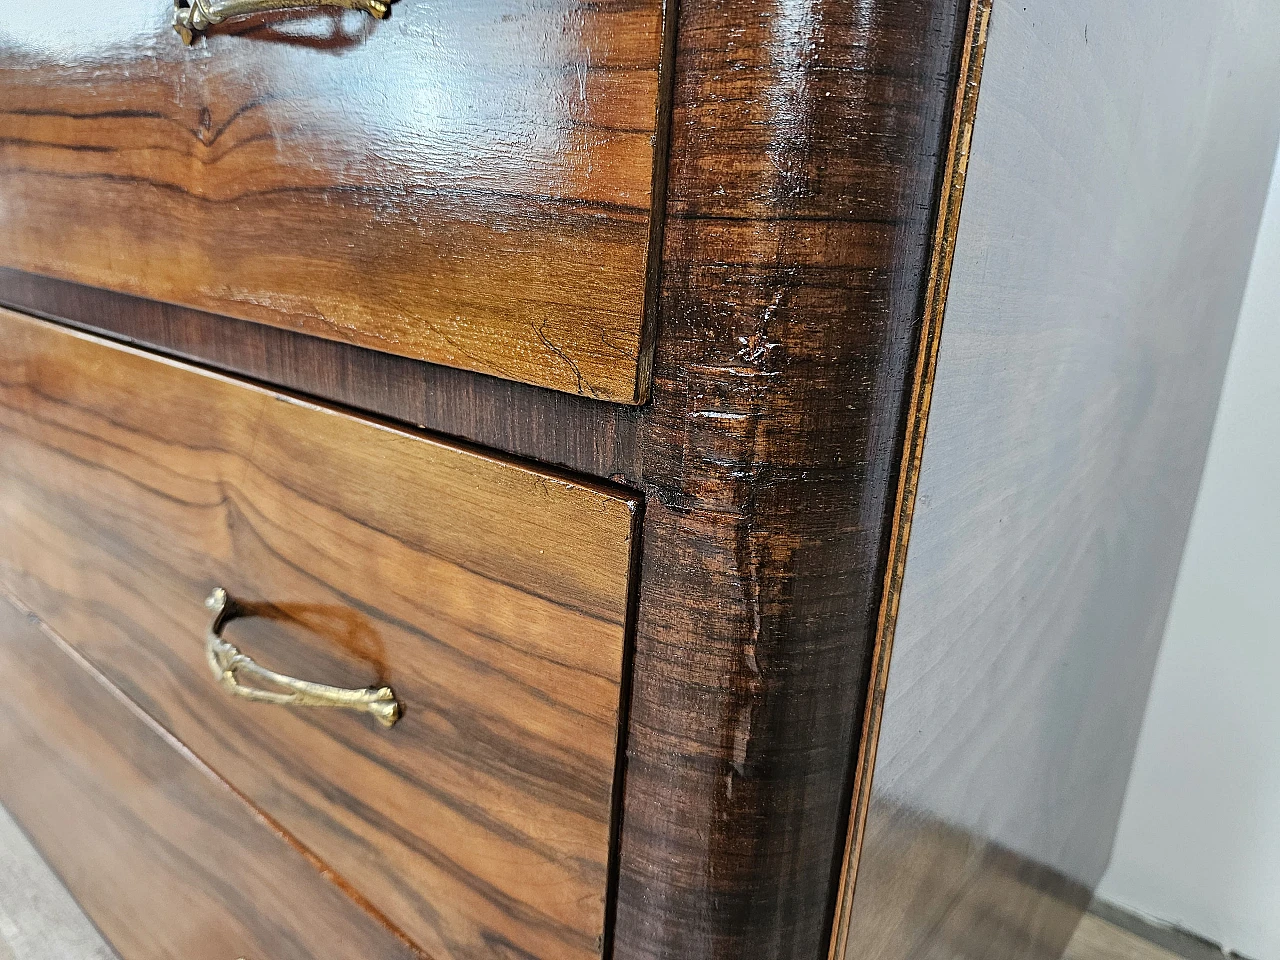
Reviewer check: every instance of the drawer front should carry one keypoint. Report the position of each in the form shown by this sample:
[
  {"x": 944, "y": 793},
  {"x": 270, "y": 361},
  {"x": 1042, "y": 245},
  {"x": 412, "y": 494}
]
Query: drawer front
[
  {"x": 167, "y": 861},
  {"x": 469, "y": 183},
  {"x": 490, "y": 597}
]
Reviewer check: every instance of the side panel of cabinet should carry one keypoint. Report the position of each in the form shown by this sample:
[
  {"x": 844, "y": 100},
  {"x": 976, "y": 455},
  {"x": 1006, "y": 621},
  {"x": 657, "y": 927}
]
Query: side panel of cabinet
[{"x": 1119, "y": 163}]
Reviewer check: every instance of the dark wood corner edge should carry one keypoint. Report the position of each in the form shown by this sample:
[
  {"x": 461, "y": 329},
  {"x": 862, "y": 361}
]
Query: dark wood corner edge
[
  {"x": 657, "y": 218},
  {"x": 805, "y": 182},
  {"x": 951, "y": 196}
]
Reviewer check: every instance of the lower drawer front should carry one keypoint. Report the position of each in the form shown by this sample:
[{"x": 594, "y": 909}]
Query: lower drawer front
[
  {"x": 491, "y": 598},
  {"x": 168, "y": 861}
]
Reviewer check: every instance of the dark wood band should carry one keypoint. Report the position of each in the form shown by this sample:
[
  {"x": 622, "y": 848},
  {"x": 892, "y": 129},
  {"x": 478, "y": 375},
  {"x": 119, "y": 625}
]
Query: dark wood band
[
  {"x": 808, "y": 143},
  {"x": 584, "y": 435}
]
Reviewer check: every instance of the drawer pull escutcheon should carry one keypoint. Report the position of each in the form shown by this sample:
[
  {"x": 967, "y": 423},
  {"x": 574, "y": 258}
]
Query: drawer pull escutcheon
[
  {"x": 190, "y": 17},
  {"x": 229, "y": 665}
]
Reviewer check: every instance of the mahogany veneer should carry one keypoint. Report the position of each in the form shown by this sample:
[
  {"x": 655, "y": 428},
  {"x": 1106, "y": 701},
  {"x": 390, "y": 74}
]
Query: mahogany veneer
[
  {"x": 491, "y": 597},
  {"x": 167, "y": 860},
  {"x": 648, "y": 297},
  {"x": 470, "y": 183}
]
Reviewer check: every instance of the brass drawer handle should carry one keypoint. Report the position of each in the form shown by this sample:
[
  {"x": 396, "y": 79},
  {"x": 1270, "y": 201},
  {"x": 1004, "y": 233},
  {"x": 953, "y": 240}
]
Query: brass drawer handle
[
  {"x": 190, "y": 17},
  {"x": 229, "y": 665}
]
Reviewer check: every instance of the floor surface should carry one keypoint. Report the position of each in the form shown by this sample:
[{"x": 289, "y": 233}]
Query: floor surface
[
  {"x": 40, "y": 921},
  {"x": 1096, "y": 939},
  {"x": 38, "y": 918}
]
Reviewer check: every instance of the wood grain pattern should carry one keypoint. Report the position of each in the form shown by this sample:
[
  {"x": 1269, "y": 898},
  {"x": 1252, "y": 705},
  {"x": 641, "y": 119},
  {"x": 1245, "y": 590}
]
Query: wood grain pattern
[
  {"x": 1098, "y": 273},
  {"x": 807, "y": 143},
  {"x": 807, "y": 147},
  {"x": 167, "y": 860},
  {"x": 493, "y": 598},
  {"x": 563, "y": 429},
  {"x": 963, "y": 117},
  {"x": 468, "y": 183}
]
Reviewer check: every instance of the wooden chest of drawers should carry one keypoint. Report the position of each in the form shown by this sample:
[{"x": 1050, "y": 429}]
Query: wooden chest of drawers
[
  {"x": 536, "y": 391},
  {"x": 491, "y": 599}
]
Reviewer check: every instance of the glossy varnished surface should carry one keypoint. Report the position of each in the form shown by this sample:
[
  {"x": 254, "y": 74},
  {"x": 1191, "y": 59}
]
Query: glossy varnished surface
[
  {"x": 470, "y": 183},
  {"x": 950, "y": 204},
  {"x": 564, "y": 429},
  {"x": 807, "y": 145},
  {"x": 1118, "y": 168},
  {"x": 492, "y": 598},
  {"x": 807, "y": 142},
  {"x": 165, "y": 858}
]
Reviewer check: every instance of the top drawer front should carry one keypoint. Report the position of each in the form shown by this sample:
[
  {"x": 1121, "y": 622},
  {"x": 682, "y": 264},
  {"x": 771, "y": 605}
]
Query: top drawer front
[
  {"x": 468, "y": 183},
  {"x": 491, "y": 597}
]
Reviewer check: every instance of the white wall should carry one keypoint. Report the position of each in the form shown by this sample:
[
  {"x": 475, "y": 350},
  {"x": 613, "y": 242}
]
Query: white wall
[{"x": 1199, "y": 839}]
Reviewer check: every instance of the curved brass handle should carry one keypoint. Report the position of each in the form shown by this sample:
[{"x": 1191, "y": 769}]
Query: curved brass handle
[
  {"x": 192, "y": 16},
  {"x": 229, "y": 664}
]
